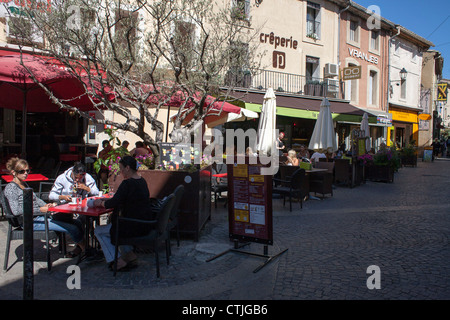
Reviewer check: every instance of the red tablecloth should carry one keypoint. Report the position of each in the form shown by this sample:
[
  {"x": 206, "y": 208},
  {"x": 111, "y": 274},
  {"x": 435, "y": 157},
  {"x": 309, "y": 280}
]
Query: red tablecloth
[
  {"x": 220, "y": 175},
  {"x": 83, "y": 209},
  {"x": 31, "y": 177}
]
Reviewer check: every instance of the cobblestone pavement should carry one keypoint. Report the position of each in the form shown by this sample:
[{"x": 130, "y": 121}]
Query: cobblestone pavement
[{"x": 401, "y": 227}]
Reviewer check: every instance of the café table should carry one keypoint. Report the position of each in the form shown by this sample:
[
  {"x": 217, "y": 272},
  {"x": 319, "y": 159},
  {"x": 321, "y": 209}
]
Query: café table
[{"x": 90, "y": 213}]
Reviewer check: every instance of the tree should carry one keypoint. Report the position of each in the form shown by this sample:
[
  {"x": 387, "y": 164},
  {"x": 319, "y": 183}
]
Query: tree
[{"x": 147, "y": 53}]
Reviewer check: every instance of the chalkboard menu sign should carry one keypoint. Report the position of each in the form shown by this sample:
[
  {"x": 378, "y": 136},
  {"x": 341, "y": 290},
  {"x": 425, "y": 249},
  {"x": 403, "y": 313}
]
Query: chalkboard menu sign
[{"x": 175, "y": 155}]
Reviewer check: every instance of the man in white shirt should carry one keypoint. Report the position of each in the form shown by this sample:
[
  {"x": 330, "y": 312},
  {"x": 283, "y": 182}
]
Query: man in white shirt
[{"x": 316, "y": 156}]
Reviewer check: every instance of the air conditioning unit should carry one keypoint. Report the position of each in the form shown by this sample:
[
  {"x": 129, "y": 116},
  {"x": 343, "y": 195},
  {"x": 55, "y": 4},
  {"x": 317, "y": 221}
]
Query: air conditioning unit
[
  {"x": 331, "y": 70},
  {"x": 332, "y": 85}
]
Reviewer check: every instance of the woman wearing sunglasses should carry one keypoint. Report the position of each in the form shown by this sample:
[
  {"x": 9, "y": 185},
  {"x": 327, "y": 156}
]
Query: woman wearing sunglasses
[{"x": 20, "y": 169}]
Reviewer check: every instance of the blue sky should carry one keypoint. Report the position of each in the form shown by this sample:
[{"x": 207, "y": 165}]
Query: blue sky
[{"x": 429, "y": 19}]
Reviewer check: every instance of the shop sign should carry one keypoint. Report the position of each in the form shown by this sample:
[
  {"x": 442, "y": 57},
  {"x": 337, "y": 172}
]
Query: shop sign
[
  {"x": 384, "y": 121},
  {"x": 351, "y": 73},
  {"x": 278, "y": 57},
  {"x": 442, "y": 91},
  {"x": 362, "y": 55},
  {"x": 14, "y": 5},
  {"x": 424, "y": 116}
]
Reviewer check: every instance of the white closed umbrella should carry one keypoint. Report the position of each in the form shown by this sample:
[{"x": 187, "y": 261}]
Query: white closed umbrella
[
  {"x": 266, "y": 138},
  {"x": 365, "y": 128},
  {"x": 323, "y": 138}
]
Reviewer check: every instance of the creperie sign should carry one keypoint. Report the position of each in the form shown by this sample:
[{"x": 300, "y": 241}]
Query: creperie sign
[{"x": 31, "y": 4}]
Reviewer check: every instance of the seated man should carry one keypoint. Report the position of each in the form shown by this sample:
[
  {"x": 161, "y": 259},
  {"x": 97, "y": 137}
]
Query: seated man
[
  {"x": 73, "y": 181},
  {"x": 316, "y": 156}
]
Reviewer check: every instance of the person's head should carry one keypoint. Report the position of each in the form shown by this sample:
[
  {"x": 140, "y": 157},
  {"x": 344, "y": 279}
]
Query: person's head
[
  {"x": 139, "y": 144},
  {"x": 78, "y": 171},
  {"x": 292, "y": 153},
  {"x": 281, "y": 135},
  {"x": 125, "y": 144},
  {"x": 105, "y": 143},
  {"x": 19, "y": 168},
  {"x": 302, "y": 147},
  {"x": 128, "y": 166}
]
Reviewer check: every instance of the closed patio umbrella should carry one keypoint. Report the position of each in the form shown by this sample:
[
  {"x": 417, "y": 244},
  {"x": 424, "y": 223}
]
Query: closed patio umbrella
[
  {"x": 365, "y": 128},
  {"x": 323, "y": 138},
  {"x": 267, "y": 136}
]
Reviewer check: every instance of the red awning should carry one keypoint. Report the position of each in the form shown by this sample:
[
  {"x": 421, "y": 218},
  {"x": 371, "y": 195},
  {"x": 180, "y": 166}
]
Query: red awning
[{"x": 17, "y": 85}]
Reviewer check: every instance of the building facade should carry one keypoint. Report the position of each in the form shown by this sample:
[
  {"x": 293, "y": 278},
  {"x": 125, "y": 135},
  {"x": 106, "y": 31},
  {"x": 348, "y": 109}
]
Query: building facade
[
  {"x": 405, "y": 74},
  {"x": 432, "y": 66},
  {"x": 364, "y": 60}
]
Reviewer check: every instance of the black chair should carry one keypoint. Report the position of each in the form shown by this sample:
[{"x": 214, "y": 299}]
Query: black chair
[
  {"x": 46, "y": 186},
  {"x": 322, "y": 181},
  {"x": 158, "y": 233},
  {"x": 292, "y": 186},
  {"x": 173, "y": 219},
  {"x": 219, "y": 187},
  {"x": 15, "y": 232}
]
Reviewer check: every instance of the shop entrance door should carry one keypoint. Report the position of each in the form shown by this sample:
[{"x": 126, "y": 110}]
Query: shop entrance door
[{"x": 399, "y": 137}]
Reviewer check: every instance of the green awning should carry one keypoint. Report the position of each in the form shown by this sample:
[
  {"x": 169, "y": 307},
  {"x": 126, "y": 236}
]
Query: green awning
[{"x": 308, "y": 114}]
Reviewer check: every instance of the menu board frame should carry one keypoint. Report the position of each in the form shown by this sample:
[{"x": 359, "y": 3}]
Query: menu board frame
[{"x": 250, "y": 214}]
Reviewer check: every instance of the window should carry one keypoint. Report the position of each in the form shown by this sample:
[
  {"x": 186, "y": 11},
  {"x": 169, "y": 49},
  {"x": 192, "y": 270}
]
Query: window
[
  {"x": 351, "y": 87},
  {"x": 238, "y": 73},
  {"x": 354, "y": 31},
  {"x": 403, "y": 89},
  {"x": 126, "y": 25},
  {"x": 312, "y": 69},
  {"x": 21, "y": 30},
  {"x": 313, "y": 20},
  {"x": 240, "y": 9},
  {"x": 373, "y": 87},
  {"x": 374, "y": 40},
  {"x": 184, "y": 41}
]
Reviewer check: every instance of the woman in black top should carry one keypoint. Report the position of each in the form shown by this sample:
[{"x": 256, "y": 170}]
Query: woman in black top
[{"x": 133, "y": 198}]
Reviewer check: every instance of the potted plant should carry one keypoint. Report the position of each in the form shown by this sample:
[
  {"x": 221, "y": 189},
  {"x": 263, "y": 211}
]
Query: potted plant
[
  {"x": 312, "y": 35},
  {"x": 385, "y": 162},
  {"x": 409, "y": 155},
  {"x": 195, "y": 206}
]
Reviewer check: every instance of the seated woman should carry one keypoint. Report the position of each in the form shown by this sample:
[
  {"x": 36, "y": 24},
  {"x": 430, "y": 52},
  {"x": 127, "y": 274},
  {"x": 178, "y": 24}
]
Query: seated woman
[
  {"x": 19, "y": 168},
  {"x": 303, "y": 153},
  {"x": 133, "y": 197},
  {"x": 292, "y": 159}
]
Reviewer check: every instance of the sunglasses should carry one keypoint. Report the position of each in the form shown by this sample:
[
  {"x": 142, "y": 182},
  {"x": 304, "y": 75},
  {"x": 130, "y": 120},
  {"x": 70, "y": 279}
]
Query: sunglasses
[{"x": 23, "y": 171}]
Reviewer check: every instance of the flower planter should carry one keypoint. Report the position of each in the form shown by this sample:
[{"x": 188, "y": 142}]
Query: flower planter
[
  {"x": 410, "y": 160},
  {"x": 379, "y": 173},
  {"x": 195, "y": 206}
]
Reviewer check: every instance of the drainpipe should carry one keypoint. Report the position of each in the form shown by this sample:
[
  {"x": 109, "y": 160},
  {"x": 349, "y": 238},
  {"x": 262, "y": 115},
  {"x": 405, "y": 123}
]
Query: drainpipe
[
  {"x": 339, "y": 33},
  {"x": 389, "y": 79}
]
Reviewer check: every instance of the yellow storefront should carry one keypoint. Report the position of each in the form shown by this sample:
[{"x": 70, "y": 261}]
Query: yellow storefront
[{"x": 405, "y": 127}]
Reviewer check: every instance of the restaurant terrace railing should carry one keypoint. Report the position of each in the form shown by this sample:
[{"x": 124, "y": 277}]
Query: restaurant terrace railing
[{"x": 286, "y": 82}]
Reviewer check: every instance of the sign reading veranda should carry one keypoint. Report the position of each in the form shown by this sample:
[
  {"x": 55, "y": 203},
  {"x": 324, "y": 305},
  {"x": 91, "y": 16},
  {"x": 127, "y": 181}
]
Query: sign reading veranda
[{"x": 249, "y": 203}]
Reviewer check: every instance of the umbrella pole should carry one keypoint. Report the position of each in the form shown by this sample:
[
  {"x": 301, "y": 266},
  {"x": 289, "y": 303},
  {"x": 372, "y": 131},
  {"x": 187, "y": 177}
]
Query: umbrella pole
[{"x": 24, "y": 126}]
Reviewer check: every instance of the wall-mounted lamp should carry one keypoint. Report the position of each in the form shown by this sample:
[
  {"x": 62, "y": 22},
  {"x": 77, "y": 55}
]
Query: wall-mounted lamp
[
  {"x": 258, "y": 2},
  {"x": 403, "y": 74}
]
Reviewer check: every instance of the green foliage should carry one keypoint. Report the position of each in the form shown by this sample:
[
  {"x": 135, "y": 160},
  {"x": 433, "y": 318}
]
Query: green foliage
[{"x": 387, "y": 157}]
